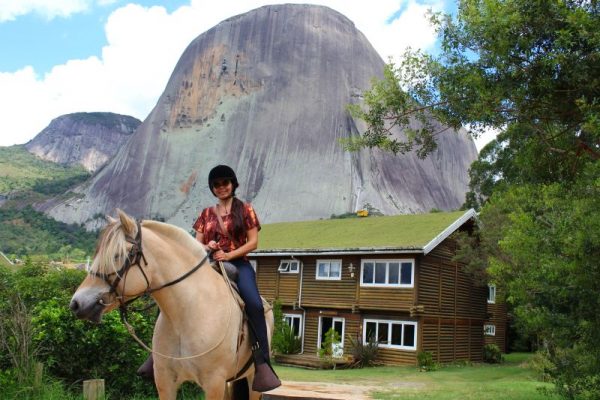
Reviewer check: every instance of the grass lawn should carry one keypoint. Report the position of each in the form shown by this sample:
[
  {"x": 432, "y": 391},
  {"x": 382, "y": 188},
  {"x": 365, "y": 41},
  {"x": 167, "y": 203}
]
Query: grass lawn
[{"x": 511, "y": 380}]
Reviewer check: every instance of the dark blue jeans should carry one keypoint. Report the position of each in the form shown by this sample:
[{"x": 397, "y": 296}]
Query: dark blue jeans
[{"x": 254, "y": 308}]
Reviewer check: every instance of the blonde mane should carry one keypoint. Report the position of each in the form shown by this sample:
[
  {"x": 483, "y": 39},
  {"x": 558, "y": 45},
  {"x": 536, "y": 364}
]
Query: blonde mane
[{"x": 112, "y": 248}]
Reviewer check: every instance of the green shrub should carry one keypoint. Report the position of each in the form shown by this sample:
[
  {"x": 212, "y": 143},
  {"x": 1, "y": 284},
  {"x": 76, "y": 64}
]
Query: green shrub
[
  {"x": 73, "y": 350},
  {"x": 326, "y": 352},
  {"x": 492, "y": 354},
  {"x": 425, "y": 361},
  {"x": 284, "y": 341},
  {"x": 363, "y": 355}
]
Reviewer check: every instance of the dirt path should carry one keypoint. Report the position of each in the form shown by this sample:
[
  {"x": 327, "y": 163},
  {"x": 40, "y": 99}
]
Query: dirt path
[{"x": 319, "y": 390}]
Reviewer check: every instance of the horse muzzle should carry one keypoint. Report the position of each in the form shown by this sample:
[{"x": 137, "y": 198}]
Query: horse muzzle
[{"x": 90, "y": 305}]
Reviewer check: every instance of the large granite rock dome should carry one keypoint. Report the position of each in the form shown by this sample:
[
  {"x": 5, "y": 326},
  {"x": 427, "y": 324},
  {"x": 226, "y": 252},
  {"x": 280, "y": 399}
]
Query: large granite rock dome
[{"x": 266, "y": 93}]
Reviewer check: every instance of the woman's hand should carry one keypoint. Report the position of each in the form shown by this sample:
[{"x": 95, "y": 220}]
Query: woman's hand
[
  {"x": 220, "y": 255},
  {"x": 212, "y": 245}
]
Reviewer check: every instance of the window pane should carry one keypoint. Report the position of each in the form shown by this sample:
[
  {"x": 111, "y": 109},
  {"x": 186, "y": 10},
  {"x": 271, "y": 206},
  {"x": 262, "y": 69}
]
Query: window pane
[
  {"x": 406, "y": 274},
  {"x": 397, "y": 334},
  {"x": 409, "y": 335},
  {"x": 323, "y": 270},
  {"x": 368, "y": 273},
  {"x": 394, "y": 273},
  {"x": 334, "y": 270},
  {"x": 371, "y": 332},
  {"x": 380, "y": 272},
  {"x": 296, "y": 326},
  {"x": 383, "y": 333},
  {"x": 294, "y": 266}
]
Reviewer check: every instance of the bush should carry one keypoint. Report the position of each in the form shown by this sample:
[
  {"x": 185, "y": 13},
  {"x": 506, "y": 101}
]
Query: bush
[
  {"x": 492, "y": 354},
  {"x": 73, "y": 350},
  {"x": 363, "y": 355},
  {"x": 425, "y": 361},
  {"x": 284, "y": 341}
]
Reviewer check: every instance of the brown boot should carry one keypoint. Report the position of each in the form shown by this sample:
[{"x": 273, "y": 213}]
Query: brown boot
[
  {"x": 146, "y": 370},
  {"x": 264, "y": 378}
]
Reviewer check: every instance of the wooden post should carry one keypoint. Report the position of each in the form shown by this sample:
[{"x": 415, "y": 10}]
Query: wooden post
[
  {"x": 38, "y": 374},
  {"x": 93, "y": 389}
]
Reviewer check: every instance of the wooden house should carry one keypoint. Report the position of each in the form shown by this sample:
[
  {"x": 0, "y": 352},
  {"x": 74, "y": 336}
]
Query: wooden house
[{"x": 390, "y": 278}]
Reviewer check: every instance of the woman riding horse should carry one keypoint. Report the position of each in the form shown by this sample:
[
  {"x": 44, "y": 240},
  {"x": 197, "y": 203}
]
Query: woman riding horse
[{"x": 230, "y": 231}]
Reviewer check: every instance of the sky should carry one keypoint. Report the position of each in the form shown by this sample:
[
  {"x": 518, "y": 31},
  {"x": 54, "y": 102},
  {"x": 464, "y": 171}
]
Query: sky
[{"x": 63, "y": 56}]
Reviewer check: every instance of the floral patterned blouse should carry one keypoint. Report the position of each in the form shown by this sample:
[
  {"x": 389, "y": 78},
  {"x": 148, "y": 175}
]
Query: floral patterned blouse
[{"x": 208, "y": 224}]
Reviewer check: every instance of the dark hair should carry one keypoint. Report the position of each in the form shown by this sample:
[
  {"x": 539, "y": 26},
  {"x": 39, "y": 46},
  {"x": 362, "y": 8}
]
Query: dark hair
[{"x": 239, "y": 227}]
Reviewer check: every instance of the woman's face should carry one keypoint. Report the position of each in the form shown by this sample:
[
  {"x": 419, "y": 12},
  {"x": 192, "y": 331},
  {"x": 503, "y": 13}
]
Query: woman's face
[{"x": 223, "y": 188}]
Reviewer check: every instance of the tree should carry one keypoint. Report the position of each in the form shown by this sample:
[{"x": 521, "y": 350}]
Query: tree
[{"x": 530, "y": 69}]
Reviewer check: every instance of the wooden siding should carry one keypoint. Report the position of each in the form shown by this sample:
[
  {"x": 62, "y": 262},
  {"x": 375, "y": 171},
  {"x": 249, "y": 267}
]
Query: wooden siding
[
  {"x": 454, "y": 307},
  {"x": 339, "y": 294},
  {"x": 497, "y": 316}
]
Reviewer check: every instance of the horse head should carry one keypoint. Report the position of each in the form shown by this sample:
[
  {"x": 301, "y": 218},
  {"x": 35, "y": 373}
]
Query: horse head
[{"x": 118, "y": 272}]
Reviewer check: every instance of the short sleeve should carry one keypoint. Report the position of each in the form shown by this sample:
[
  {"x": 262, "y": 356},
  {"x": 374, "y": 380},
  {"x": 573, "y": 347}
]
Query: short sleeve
[
  {"x": 250, "y": 217},
  {"x": 200, "y": 222}
]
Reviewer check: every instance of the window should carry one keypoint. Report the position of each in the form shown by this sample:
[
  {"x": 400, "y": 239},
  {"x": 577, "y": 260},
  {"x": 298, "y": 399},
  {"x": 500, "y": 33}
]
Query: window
[
  {"x": 398, "y": 273},
  {"x": 391, "y": 334},
  {"x": 253, "y": 263},
  {"x": 489, "y": 330},
  {"x": 289, "y": 266},
  {"x": 491, "y": 294},
  {"x": 329, "y": 269},
  {"x": 295, "y": 322}
]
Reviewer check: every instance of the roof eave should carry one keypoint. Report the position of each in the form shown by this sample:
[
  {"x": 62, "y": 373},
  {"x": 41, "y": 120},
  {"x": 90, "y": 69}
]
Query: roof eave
[{"x": 471, "y": 213}]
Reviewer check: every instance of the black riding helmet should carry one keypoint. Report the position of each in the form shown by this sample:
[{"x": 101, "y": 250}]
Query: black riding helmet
[{"x": 222, "y": 172}]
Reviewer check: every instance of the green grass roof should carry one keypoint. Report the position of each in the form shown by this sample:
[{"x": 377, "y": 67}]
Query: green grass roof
[{"x": 387, "y": 232}]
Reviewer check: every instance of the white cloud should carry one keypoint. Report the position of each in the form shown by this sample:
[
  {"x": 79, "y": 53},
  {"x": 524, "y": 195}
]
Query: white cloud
[
  {"x": 143, "y": 47},
  {"x": 11, "y": 9}
]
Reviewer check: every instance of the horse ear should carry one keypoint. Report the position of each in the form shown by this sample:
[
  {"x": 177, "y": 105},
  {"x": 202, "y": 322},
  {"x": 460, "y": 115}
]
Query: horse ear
[
  {"x": 128, "y": 223},
  {"x": 110, "y": 219}
]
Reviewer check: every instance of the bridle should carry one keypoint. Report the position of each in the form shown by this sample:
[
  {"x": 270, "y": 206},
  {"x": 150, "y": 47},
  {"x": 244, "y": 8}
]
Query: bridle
[{"x": 134, "y": 258}]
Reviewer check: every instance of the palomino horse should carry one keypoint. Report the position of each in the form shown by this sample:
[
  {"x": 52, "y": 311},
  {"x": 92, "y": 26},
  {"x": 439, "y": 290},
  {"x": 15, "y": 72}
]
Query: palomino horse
[{"x": 198, "y": 332}]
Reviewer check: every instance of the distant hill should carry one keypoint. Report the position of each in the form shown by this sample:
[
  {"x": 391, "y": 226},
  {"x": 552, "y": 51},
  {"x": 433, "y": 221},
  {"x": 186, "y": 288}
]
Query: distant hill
[
  {"x": 25, "y": 178},
  {"x": 27, "y": 232},
  {"x": 86, "y": 139}
]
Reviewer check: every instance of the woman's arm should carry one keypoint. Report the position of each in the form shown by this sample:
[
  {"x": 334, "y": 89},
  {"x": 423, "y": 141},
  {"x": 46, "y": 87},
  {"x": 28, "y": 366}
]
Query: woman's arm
[
  {"x": 212, "y": 245},
  {"x": 250, "y": 245}
]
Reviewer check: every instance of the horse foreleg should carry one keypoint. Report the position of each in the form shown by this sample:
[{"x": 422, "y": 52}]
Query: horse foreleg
[
  {"x": 167, "y": 389},
  {"x": 215, "y": 390}
]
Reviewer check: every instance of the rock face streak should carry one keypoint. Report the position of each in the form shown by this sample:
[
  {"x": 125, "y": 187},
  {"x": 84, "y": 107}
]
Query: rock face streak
[
  {"x": 266, "y": 93},
  {"x": 87, "y": 139}
]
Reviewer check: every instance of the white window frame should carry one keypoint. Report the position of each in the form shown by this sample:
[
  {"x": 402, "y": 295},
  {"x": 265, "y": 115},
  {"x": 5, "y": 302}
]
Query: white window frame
[
  {"x": 489, "y": 330},
  {"x": 254, "y": 264},
  {"x": 389, "y": 323},
  {"x": 491, "y": 297},
  {"x": 292, "y": 317},
  {"x": 400, "y": 261},
  {"x": 285, "y": 266},
  {"x": 328, "y": 278}
]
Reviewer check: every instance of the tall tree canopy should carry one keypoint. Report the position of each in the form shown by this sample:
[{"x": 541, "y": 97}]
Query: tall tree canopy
[{"x": 531, "y": 70}]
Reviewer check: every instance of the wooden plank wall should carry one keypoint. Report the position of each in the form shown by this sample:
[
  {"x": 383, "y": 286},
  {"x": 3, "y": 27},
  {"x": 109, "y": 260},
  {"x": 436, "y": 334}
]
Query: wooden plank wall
[
  {"x": 454, "y": 307},
  {"x": 497, "y": 314}
]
